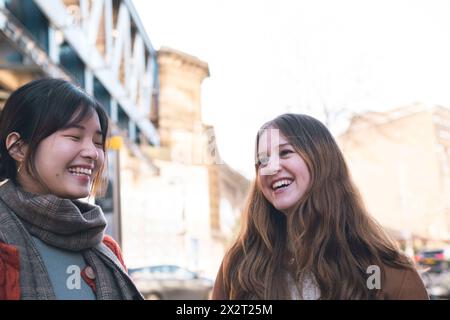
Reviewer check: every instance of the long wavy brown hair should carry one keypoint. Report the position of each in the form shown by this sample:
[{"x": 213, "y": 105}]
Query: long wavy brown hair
[{"x": 331, "y": 235}]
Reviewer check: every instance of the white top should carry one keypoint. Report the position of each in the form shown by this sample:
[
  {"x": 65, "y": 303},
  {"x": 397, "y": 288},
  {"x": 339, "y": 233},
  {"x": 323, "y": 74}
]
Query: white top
[{"x": 310, "y": 289}]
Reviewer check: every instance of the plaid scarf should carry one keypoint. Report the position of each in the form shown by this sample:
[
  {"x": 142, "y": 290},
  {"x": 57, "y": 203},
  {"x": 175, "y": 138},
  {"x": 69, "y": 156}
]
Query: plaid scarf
[{"x": 67, "y": 224}]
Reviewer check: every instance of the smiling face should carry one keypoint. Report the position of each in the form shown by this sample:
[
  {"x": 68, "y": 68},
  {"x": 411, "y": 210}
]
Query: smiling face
[
  {"x": 67, "y": 161},
  {"x": 283, "y": 175}
]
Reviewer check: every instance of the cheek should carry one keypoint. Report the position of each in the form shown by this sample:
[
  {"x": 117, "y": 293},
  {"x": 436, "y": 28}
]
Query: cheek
[
  {"x": 262, "y": 184},
  {"x": 301, "y": 170},
  {"x": 54, "y": 151},
  {"x": 44, "y": 158},
  {"x": 306, "y": 175},
  {"x": 306, "y": 180}
]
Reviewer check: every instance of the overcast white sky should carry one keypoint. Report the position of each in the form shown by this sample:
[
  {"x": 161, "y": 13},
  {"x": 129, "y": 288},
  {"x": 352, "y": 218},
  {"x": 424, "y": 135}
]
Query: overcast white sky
[{"x": 267, "y": 57}]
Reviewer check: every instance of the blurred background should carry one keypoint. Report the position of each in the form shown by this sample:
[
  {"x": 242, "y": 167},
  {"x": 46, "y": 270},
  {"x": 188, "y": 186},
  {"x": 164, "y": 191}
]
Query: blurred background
[{"x": 187, "y": 84}]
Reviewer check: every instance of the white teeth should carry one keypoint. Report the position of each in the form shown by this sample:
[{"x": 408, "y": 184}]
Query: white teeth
[
  {"x": 80, "y": 171},
  {"x": 284, "y": 182}
]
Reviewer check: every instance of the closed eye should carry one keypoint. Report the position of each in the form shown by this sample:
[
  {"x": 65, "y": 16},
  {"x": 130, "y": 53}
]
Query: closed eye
[
  {"x": 74, "y": 138},
  {"x": 285, "y": 152}
]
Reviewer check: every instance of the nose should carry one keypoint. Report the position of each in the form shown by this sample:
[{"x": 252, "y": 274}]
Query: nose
[{"x": 90, "y": 151}]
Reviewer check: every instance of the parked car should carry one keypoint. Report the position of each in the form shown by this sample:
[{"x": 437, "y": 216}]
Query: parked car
[
  {"x": 435, "y": 272},
  {"x": 171, "y": 282},
  {"x": 436, "y": 260}
]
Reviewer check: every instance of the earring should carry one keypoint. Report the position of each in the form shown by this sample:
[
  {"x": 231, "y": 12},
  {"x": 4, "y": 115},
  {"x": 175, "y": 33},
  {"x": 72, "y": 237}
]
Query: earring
[{"x": 20, "y": 167}]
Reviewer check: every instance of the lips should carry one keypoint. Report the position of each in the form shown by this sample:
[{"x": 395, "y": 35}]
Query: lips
[
  {"x": 281, "y": 183},
  {"x": 80, "y": 171}
]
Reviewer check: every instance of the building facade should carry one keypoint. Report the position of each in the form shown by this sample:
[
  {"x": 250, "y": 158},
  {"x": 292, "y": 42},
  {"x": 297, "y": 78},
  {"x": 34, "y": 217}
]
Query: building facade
[
  {"x": 400, "y": 161},
  {"x": 175, "y": 216}
]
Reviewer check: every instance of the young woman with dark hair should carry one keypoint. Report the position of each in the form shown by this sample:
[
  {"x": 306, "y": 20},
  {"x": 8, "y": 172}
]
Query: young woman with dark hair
[{"x": 52, "y": 153}]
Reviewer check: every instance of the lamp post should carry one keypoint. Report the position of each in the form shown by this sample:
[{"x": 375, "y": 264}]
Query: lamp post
[
  {"x": 115, "y": 144},
  {"x": 404, "y": 202}
]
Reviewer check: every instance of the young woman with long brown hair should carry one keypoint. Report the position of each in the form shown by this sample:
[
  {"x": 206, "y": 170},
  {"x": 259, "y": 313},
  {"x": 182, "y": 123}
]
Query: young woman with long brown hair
[{"x": 305, "y": 232}]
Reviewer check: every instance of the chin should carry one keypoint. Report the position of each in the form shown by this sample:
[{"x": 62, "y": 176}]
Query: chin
[
  {"x": 82, "y": 195},
  {"x": 284, "y": 207},
  {"x": 77, "y": 195}
]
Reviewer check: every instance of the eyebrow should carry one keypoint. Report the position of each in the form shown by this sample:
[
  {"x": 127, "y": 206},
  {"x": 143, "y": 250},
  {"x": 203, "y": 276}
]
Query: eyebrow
[
  {"x": 77, "y": 126},
  {"x": 279, "y": 146}
]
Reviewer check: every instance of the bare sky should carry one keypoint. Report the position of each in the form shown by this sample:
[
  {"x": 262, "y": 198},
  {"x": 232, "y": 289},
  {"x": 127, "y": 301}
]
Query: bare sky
[{"x": 270, "y": 57}]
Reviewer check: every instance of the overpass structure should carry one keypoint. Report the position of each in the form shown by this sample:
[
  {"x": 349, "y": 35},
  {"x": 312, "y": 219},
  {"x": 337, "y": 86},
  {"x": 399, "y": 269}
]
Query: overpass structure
[{"x": 102, "y": 46}]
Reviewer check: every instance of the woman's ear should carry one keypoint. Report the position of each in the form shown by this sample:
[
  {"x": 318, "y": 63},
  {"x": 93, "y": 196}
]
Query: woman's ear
[{"x": 15, "y": 146}]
